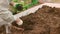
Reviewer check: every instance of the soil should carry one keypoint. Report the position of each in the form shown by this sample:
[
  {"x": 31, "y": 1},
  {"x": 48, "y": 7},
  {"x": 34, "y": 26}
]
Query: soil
[{"x": 45, "y": 20}]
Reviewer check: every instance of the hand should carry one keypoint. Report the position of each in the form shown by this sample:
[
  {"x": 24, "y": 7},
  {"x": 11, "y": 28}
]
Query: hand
[
  {"x": 41, "y": 1},
  {"x": 11, "y": 3},
  {"x": 19, "y": 21}
]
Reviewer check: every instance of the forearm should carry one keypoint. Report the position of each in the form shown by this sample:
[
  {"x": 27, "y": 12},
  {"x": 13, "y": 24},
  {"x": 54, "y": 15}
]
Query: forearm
[{"x": 13, "y": 4}]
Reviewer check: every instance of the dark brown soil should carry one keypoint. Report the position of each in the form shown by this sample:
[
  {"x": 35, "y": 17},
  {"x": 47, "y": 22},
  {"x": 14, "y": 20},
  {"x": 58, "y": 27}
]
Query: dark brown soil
[{"x": 45, "y": 21}]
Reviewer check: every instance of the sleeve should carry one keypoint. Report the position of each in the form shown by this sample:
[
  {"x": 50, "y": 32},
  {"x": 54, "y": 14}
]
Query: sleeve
[
  {"x": 2, "y": 22},
  {"x": 7, "y": 16}
]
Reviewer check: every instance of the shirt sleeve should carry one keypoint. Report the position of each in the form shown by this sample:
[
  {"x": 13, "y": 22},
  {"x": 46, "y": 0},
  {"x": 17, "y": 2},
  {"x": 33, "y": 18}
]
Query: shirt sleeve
[{"x": 7, "y": 16}]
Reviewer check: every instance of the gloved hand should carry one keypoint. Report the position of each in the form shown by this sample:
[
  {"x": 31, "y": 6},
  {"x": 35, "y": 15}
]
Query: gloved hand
[{"x": 19, "y": 21}]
